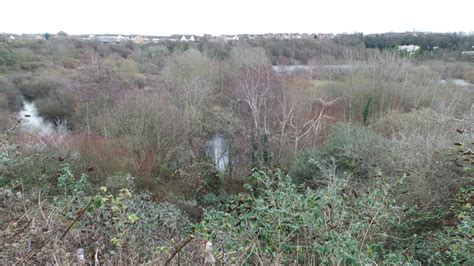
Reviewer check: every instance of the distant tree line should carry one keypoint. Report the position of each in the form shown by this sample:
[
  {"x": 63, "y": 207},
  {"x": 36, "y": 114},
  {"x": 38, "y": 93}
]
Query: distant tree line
[{"x": 426, "y": 41}]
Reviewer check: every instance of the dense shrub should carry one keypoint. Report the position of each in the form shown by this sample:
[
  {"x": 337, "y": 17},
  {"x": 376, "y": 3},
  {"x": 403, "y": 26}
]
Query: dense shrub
[
  {"x": 10, "y": 98},
  {"x": 358, "y": 151},
  {"x": 275, "y": 223},
  {"x": 421, "y": 146},
  {"x": 7, "y": 59},
  {"x": 41, "y": 86},
  {"x": 108, "y": 227},
  {"x": 57, "y": 107}
]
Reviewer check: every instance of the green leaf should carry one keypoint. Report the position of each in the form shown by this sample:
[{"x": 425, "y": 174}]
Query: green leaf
[
  {"x": 133, "y": 218},
  {"x": 97, "y": 202}
]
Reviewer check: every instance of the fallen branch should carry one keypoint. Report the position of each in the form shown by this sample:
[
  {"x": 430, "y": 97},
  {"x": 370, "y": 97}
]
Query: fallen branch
[
  {"x": 19, "y": 231},
  {"x": 178, "y": 248},
  {"x": 43, "y": 243},
  {"x": 81, "y": 212},
  {"x": 247, "y": 249}
]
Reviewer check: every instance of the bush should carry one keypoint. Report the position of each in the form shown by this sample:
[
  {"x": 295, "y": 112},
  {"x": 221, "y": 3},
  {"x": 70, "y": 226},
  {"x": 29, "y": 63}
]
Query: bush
[
  {"x": 274, "y": 223},
  {"x": 358, "y": 151},
  {"x": 421, "y": 146},
  {"x": 110, "y": 228},
  {"x": 57, "y": 107},
  {"x": 103, "y": 157},
  {"x": 7, "y": 59},
  {"x": 37, "y": 87},
  {"x": 29, "y": 160},
  {"x": 10, "y": 98}
]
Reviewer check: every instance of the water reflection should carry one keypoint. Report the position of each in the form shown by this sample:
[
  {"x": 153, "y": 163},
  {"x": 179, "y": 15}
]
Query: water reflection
[
  {"x": 217, "y": 149},
  {"x": 32, "y": 122}
]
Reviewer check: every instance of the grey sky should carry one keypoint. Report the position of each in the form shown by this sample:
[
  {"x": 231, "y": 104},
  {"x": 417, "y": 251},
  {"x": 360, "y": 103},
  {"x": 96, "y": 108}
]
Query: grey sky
[{"x": 237, "y": 16}]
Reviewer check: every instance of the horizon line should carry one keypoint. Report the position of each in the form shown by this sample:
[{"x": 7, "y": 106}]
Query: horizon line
[{"x": 227, "y": 34}]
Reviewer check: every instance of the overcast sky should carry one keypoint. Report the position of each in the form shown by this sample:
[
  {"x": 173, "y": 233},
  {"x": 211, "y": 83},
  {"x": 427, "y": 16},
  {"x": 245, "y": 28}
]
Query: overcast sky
[{"x": 159, "y": 17}]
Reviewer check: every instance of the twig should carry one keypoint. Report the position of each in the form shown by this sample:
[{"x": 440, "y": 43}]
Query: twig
[
  {"x": 19, "y": 231},
  {"x": 241, "y": 257},
  {"x": 248, "y": 256},
  {"x": 372, "y": 221},
  {"x": 32, "y": 252},
  {"x": 75, "y": 220},
  {"x": 178, "y": 248}
]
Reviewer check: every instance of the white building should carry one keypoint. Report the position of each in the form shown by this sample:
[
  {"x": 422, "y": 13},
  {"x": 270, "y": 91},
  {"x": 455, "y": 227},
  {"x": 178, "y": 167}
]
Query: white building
[{"x": 410, "y": 49}]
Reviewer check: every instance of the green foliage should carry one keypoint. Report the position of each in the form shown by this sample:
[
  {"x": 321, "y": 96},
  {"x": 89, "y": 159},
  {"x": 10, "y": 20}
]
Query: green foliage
[
  {"x": 57, "y": 106},
  {"x": 68, "y": 183},
  {"x": 7, "y": 59},
  {"x": 449, "y": 41},
  {"x": 39, "y": 86},
  {"x": 33, "y": 167},
  {"x": 10, "y": 98},
  {"x": 292, "y": 226},
  {"x": 358, "y": 151}
]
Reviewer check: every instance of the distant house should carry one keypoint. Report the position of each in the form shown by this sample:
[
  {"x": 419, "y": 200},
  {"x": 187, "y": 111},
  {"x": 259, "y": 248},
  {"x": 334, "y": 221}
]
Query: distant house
[
  {"x": 108, "y": 39},
  {"x": 269, "y": 36},
  {"x": 295, "y": 36},
  {"x": 410, "y": 49},
  {"x": 324, "y": 36},
  {"x": 283, "y": 36},
  {"x": 231, "y": 37},
  {"x": 39, "y": 37},
  {"x": 12, "y": 37},
  {"x": 138, "y": 39},
  {"x": 468, "y": 54},
  {"x": 190, "y": 38},
  {"x": 121, "y": 38}
]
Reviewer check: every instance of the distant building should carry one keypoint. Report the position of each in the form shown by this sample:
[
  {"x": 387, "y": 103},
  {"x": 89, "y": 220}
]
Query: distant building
[
  {"x": 295, "y": 36},
  {"x": 269, "y": 36},
  {"x": 324, "y": 36},
  {"x": 189, "y": 38},
  {"x": 121, "y": 38},
  {"x": 229, "y": 37},
  {"x": 138, "y": 39},
  {"x": 108, "y": 39},
  {"x": 233, "y": 38},
  {"x": 410, "y": 49},
  {"x": 468, "y": 54},
  {"x": 39, "y": 37}
]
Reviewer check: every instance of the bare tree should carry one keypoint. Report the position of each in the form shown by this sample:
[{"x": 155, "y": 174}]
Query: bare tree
[
  {"x": 302, "y": 117},
  {"x": 254, "y": 88}
]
